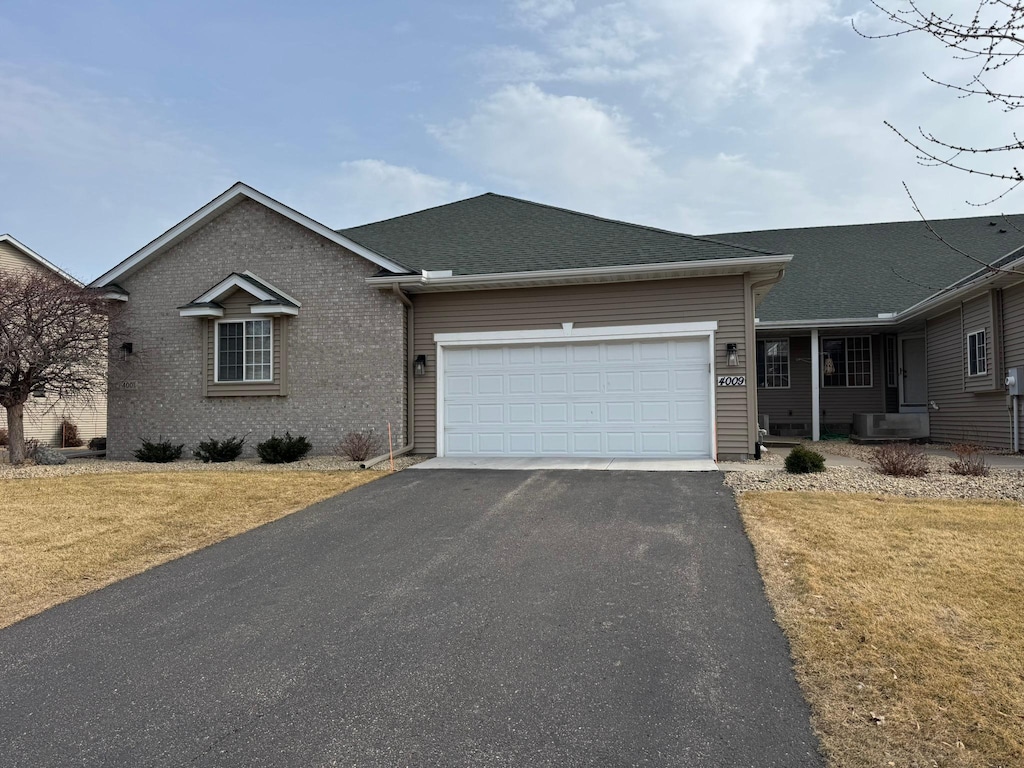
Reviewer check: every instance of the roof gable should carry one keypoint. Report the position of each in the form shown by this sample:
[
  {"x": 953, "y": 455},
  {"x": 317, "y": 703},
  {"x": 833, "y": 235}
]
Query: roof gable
[
  {"x": 223, "y": 202},
  {"x": 492, "y": 234},
  {"x": 33, "y": 256},
  {"x": 863, "y": 270}
]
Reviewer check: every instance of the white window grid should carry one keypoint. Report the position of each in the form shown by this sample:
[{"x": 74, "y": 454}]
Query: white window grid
[
  {"x": 255, "y": 358},
  {"x": 773, "y": 363},
  {"x": 852, "y": 361},
  {"x": 977, "y": 353}
]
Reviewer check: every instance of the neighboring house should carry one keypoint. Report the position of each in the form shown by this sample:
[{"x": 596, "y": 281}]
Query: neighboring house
[
  {"x": 497, "y": 326},
  {"x": 899, "y": 324},
  {"x": 44, "y": 412},
  {"x": 492, "y": 326}
]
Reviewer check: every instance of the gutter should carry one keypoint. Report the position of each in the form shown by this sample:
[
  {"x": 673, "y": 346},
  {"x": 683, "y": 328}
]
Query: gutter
[
  {"x": 410, "y": 376},
  {"x": 435, "y": 279}
]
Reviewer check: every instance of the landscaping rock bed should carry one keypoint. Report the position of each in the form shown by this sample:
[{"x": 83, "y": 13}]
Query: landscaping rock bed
[
  {"x": 96, "y": 466},
  {"x": 1005, "y": 484}
]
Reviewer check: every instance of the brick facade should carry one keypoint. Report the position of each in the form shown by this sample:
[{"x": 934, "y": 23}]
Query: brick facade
[{"x": 345, "y": 349}]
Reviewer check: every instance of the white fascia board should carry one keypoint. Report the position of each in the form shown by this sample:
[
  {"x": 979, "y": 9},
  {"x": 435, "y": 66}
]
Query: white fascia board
[
  {"x": 274, "y": 310},
  {"x": 229, "y": 284},
  {"x": 201, "y": 312},
  {"x": 725, "y": 266},
  {"x": 569, "y": 333},
  {"x": 39, "y": 259},
  {"x": 841, "y": 322},
  {"x": 279, "y": 292},
  {"x": 227, "y": 199},
  {"x": 114, "y": 296}
]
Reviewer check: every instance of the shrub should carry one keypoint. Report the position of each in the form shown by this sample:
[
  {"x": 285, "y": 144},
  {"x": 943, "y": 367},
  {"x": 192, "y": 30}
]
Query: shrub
[
  {"x": 219, "y": 450},
  {"x": 969, "y": 461},
  {"x": 358, "y": 446},
  {"x": 3, "y": 438},
  {"x": 802, "y": 460},
  {"x": 161, "y": 452},
  {"x": 283, "y": 450},
  {"x": 98, "y": 444},
  {"x": 900, "y": 460},
  {"x": 69, "y": 435}
]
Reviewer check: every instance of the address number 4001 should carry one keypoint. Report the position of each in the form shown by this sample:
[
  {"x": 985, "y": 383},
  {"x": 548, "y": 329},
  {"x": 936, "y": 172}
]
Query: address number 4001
[{"x": 732, "y": 381}]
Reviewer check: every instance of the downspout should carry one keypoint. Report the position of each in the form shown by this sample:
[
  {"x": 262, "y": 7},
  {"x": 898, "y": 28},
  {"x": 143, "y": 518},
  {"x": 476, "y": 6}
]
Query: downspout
[
  {"x": 752, "y": 358},
  {"x": 410, "y": 373}
]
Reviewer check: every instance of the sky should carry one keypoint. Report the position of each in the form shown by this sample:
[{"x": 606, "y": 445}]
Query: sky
[{"x": 118, "y": 119}]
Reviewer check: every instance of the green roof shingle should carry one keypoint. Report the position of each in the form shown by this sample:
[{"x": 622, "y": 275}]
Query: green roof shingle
[
  {"x": 493, "y": 234},
  {"x": 861, "y": 270}
]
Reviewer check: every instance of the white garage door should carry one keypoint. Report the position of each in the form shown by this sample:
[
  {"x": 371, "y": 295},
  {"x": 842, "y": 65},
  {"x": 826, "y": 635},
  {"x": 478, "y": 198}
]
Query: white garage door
[{"x": 625, "y": 398}]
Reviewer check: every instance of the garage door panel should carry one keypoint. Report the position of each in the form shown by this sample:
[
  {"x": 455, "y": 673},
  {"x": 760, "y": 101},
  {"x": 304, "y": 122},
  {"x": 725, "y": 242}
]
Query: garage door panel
[
  {"x": 620, "y": 381},
  {"x": 554, "y": 383},
  {"x": 647, "y": 398},
  {"x": 654, "y": 381},
  {"x": 522, "y": 383}
]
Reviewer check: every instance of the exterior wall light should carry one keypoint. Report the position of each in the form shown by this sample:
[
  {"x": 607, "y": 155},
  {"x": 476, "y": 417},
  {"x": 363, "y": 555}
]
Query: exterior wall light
[
  {"x": 732, "y": 357},
  {"x": 419, "y": 365}
]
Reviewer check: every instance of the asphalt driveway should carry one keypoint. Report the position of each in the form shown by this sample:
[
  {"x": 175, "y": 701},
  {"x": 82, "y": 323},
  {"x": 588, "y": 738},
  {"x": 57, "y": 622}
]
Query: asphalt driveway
[{"x": 431, "y": 618}]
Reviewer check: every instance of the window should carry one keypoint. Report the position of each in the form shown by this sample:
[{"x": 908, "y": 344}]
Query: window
[
  {"x": 977, "y": 354},
  {"x": 244, "y": 351},
  {"x": 773, "y": 363},
  {"x": 846, "y": 362},
  {"x": 891, "y": 362}
]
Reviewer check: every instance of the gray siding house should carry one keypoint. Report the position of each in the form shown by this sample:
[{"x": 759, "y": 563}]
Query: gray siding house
[
  {"x": 903, "y": 328},
  {"x": 500, "y": 327}
]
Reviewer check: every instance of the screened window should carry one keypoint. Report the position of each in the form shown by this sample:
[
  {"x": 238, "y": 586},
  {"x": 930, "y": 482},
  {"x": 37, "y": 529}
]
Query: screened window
[
  {"x": 244, "y": 351},
  {"x": 891, "y": 362},
  {"x": 977, "y": 354},
  {"x": 846, "y": 362},
  {"x": 773, "y": 363}
]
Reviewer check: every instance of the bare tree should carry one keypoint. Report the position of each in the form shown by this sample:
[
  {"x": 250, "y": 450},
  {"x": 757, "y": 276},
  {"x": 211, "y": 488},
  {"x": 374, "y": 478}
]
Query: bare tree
[
  {"x": 54, "y": 336},
  {"x": 992, "y": 36}
]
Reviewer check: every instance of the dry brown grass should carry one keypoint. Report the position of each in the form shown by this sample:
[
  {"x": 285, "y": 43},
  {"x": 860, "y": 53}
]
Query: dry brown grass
[
  {"x": 63, "y": 537},
  {"x": 906, "y": 621}
]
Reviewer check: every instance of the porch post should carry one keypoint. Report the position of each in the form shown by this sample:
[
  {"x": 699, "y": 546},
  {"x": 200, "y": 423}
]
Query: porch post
[{"x": 815, "y": 386}]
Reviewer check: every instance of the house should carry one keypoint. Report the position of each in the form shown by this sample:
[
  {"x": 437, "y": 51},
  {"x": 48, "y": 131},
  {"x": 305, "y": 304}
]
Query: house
[
  {"x": 903, "y": 328},
  {"x": 498, "y": 326},
  {"x": 45, "y": 412},
  {"x": 488, "y": 326}
]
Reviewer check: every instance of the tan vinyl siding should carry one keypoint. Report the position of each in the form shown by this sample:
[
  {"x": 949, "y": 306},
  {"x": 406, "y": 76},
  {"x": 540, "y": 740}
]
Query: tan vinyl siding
[
  {"x": 11, "y": 259},
  {"x": 43, "y": 417},
  {"x": 977, "y": 316},
  {"x": 979, "y": 417},
  {"x": 1012, "y": 306},
  {"x": 634, "y": 303},
  {"x": 236, "y": 306}
]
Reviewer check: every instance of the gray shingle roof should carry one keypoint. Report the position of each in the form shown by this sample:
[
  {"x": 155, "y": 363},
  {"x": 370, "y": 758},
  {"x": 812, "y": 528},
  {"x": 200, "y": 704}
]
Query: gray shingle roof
[
  {"x": 861, "y": 270},
  {"x": 493, "y": 233}
]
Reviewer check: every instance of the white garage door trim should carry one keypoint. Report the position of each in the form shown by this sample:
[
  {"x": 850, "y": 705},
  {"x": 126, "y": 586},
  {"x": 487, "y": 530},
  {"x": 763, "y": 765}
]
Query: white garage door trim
[{"x": 568, "y": 334}]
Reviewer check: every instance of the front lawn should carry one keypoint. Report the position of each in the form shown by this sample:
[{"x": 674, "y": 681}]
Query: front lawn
[
  {"x": 906, "y": 622},
  {"x": 62, "y": 537}
]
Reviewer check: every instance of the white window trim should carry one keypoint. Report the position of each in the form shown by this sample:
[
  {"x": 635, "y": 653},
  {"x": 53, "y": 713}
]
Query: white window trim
[
  {"x": 789, "y": 364},
  {"x": 846, "y": 353},
  {"x": 569, "y": 334},
  {"x": 216, "y": 350},
  {"x": 983, "y": 360}
]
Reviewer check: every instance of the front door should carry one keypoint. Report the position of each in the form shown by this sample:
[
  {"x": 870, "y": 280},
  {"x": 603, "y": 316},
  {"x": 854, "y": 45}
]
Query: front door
[{"x": 913, "y": 375}]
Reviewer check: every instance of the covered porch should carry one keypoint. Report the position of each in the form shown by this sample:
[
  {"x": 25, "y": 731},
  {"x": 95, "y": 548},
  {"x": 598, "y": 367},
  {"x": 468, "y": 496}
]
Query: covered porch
[{"x": 868, "y": 382}]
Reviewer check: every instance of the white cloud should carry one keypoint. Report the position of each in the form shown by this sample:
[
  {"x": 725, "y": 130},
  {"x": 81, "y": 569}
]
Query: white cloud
[
  {"x": 531, "y": 140},
  {"x": 536, "y": 14},
  {"x": 361, "y": 191}
]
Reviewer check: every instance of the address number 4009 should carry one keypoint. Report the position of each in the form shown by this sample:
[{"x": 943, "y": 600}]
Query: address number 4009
[{"x": 732, "y": 381}]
